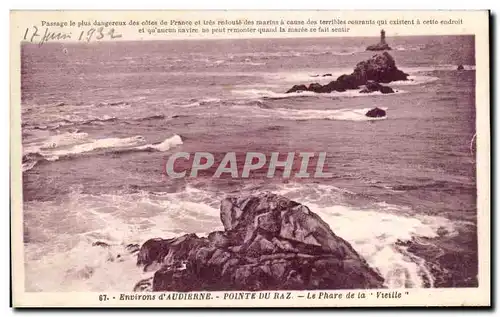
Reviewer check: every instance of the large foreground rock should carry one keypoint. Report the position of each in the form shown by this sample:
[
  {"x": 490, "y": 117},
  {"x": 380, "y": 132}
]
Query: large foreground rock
[
  {"x": 380, "y": 68},
  {"x": 269, "y": 243}
]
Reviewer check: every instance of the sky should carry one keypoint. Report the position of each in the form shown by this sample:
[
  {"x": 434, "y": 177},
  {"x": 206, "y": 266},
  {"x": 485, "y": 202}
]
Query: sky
[{"x": 84, "y": 26}]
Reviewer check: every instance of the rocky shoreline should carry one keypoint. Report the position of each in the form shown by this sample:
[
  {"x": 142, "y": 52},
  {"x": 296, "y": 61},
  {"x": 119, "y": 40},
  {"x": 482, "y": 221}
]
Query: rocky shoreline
[
  {"x": 371, "y": 73},
  {"x": 269, "y": 243}
]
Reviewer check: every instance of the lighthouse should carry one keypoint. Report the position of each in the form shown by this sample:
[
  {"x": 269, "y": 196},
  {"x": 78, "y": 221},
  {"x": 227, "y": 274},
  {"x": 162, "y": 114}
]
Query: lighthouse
[{"x": 382, "y": 37}]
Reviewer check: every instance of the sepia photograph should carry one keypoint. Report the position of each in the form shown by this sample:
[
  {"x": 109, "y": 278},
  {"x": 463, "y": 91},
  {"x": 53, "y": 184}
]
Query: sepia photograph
[{"x": 249, "y": 165}]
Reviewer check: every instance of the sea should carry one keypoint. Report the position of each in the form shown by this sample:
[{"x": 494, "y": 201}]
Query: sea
[{"x": 99, "y": 121}]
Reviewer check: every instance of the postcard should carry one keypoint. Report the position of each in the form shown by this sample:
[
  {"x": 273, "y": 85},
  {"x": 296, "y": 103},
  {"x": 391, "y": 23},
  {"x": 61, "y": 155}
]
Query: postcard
[{"x": 250, "y": 158}]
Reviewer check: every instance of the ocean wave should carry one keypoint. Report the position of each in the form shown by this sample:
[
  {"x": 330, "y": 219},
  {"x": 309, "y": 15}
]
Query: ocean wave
[
  {"x": 345, "y": 114},
  {"x": 432, "y": 68},
  {"x": 166, "y": 145},
  {"x": 152, "y": 117},
  {"x": 320, "y": 51},
  {"x": 442, "y": 185},
  {"x": 112, "y": 104},
  {"x": 97, "y": 144},
  {"x": 414, "y": 80},
  {"x": 68, "y": 122},
  {"x": 51, "y": 142},
  {"x": 339, "y": 114},
  {"x": 309, "y": 75},
  {"x": 69, "y": 145},
  {"x": 409, "y": 47}
]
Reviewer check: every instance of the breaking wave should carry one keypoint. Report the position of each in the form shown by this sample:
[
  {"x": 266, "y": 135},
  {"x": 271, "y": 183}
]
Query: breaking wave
[
  {"x": 70, "y": 144},
  {"x": 166, "y": 145}
]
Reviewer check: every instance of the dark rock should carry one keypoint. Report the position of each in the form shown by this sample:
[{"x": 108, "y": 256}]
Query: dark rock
[
  {"x": 296, "y": 88},
  {"x": 460, "y": 67},
  {"x": 386, "y": 90},
  {"x": 269, "y": 243},
  {"x": 372, "y": 86},
  {"x": 348, "y": 82},
  {"x": 315, "y": 87},
  {"x": 376, "y": 113},
  {"x": 100, "y": 244},
  {"x": 132, "y": 248},
  {"x": 327, "y": 75},
  {"x": 380, "y": 68}
]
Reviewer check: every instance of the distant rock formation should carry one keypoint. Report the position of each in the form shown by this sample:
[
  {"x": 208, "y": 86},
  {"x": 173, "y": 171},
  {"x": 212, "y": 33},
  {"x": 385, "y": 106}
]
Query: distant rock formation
[
  {"x": 376, "y": 113},
  {"x": 269, "y": 243},
  {"x": 382, "y": 46},
  {"x": 380, "y": 68}
]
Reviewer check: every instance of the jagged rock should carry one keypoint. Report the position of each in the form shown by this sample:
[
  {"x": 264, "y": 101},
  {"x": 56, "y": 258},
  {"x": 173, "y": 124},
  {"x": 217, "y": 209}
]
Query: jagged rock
[
  {"x": 269, "y": 243},
  {"x": 460, "y": 67},
  {"x": 376, "y": 113},
  {"x": 380, "y": 68}
]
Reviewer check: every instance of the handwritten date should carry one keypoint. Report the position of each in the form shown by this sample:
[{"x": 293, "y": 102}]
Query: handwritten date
[{"x": 41, "y": 36}]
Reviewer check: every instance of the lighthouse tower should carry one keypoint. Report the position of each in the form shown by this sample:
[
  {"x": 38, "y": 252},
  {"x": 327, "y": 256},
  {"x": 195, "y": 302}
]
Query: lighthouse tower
[{"x": 382, "y": 37}]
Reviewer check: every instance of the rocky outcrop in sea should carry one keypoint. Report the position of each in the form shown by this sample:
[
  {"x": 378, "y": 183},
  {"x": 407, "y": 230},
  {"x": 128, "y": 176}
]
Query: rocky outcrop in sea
[
  {"x": 269, "y": 243},
  {"x": 380, "y": 68},
  {"x": 381, "y": 46}
]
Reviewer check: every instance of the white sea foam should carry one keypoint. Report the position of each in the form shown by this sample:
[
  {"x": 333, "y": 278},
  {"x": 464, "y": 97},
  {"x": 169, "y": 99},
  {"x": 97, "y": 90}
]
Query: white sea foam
[
  {"x": 166, "y": 145},
  {"x": 61, "y": 257},
  {"x": 106, "y": 143},
  {"x": 46, "y": 142},
  {"x": 414, "y": 80}
]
